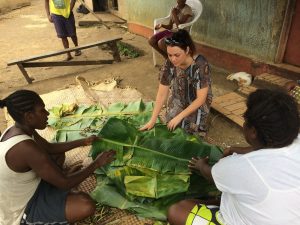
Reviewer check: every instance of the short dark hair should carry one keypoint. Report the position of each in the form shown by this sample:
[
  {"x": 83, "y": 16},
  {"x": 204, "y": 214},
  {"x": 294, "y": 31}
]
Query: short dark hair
[
  {"x": 181, "y": 39},
  {"x": 20, "y": 102},
  {"x": 274, "y": 115}
]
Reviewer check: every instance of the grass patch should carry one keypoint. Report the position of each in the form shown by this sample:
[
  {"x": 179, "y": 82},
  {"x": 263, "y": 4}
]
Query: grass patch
[{"x": 128, "y": 50}]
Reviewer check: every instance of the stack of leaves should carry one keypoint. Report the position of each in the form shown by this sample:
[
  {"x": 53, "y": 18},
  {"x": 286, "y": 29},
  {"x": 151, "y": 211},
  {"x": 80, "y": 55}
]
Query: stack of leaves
[
  {"x": 150, "y": 171},
  {"x": 151, "y": 168}
]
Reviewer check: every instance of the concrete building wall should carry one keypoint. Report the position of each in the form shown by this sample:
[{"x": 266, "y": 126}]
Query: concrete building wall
[
  {"x": 122, "y": 11},
  {"x": 250, "y": 28}
]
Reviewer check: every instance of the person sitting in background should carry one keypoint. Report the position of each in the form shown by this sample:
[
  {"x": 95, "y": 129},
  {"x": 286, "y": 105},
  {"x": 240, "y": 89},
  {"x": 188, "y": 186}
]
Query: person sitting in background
[
  {"x": 260, "y": 184},
  {"x": 185, "y": 81},
  {"x": 34, "y": 189},
  {"x": 181, "y": 13}
]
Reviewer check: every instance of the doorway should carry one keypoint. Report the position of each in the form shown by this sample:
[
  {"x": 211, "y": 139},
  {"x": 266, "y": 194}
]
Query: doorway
[{"x": 292, "y": 51}]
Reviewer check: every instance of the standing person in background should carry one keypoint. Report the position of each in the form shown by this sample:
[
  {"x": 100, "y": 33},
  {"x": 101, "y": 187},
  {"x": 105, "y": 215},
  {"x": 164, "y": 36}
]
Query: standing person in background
[
  {"x": 34, "y": 187},
  {"x": 185, "y": 81},
  {"x": 60, "y": 13},
  {"x": 181, "y": 13}
]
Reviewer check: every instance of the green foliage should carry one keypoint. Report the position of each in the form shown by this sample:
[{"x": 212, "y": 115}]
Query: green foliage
[
  {"x": 72, "y": 122},
  {"x": 150, "y": 171},
  {"x": 127, "y": 50}
]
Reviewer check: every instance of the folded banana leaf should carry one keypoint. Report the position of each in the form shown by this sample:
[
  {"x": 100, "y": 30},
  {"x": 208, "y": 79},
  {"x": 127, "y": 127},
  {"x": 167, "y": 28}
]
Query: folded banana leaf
[{"x": 150, "y": 171}]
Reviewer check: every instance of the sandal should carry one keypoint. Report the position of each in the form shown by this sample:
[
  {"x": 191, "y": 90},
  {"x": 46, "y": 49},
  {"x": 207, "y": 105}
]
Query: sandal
[{"x": 77, "y": 53}]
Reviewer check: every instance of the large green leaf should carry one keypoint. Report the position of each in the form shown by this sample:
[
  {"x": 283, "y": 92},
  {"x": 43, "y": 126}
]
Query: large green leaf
[
  {"x": 73, "y": 122},
  {"x": 151, "y": 167},
  {"x": 166, "y": 153},
  {"x": 150, "y": 171}
]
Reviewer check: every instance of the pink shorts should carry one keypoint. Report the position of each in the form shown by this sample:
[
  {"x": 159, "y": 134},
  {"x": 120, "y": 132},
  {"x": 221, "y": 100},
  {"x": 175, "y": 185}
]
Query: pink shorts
[{"x": 162, "y": 34}]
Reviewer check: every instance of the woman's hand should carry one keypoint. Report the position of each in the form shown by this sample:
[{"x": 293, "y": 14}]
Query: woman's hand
[
  {"x": 197, "y": 163},
  {"x": 158, "y": 26},
  {"x": 105, "y": 158},
  {"x": 227, "y": 151},
  {"x": 148, "y": 126},
  {"x": 50, "y": 18},
  {"x": 172, "y": 124},
  {"x": 174, "y": 11},
  {"x": 89, "y": 140}
]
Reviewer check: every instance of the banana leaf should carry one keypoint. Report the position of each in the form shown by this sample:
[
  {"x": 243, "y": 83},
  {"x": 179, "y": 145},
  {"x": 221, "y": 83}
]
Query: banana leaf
[
  {"x": 151, "y": 167},
  {"x": 72, "y": 122}
]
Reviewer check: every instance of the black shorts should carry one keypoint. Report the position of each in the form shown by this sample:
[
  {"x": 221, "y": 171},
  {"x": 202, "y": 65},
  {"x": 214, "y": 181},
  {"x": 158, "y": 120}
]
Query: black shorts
[
  {"x": 47, "y": 206},
  {"x": 65, "y": 27}
]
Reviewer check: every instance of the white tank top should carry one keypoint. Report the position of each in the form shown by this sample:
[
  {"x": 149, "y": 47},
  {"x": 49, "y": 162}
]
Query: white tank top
[{"x": 16, "y": 189}]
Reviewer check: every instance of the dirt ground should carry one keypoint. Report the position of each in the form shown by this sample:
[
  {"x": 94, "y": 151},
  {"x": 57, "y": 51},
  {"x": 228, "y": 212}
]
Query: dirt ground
[{"x": 26, "y": 32}]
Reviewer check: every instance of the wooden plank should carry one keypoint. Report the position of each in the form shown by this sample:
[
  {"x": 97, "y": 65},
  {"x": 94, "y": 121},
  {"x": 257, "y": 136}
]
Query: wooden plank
[
  {"x": 232, "y": 106},
  {"x": 273, "y": 79},
  {"x": 236, "y": 106},
  {"x": 227, "y": 97},
  {"x": 247, "y": 90},
  {"x": 229, "y": 103},
  {"x": 240, "y": 111},
  {"x": 114, "y": 48},
  {"x": 66, "y": 63},
  {"x": 25, "y": 74},
  {"x": 220, "y": 109},
  {"x": 105, "y": 41}
]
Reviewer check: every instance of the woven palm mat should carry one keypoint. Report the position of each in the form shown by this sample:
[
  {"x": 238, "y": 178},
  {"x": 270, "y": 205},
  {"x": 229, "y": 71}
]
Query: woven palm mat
[{"x": 107, "y": 92}]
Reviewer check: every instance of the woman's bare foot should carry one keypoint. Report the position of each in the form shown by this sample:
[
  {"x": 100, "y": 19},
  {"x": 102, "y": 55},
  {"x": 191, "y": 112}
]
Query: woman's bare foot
[{"x": 69, "y": 57}]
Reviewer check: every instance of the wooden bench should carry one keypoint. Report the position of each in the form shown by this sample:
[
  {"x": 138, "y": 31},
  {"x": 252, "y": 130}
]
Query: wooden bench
[{"x": 27, "y": 62}]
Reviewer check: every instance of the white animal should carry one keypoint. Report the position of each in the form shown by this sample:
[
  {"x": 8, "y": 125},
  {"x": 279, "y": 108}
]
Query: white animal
[{"x": 243, "y": 78}]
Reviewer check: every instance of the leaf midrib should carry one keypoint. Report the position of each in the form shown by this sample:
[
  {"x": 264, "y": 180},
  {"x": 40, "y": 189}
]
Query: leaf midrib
[{"x": 143, "y": 148}]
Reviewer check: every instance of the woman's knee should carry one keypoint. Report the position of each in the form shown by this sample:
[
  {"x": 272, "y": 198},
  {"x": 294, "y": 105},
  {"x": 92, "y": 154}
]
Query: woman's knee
[
  {"x": 161, "y": 44},
  {"x": 152, "y": 41},
  {"x": 178, "y": 213},
  {"x": 79, "y": 206},
  {"x": 88, "y": 205},
  {"x": 173, "y": 213}
]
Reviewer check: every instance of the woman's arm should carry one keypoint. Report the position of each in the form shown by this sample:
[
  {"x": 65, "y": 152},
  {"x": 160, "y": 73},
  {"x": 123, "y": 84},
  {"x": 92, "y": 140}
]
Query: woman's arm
[
  {"x": 201, "y": 164},
  {"x": 176, "y": 20},
  {"x": 57, "y": 148},
  {"x": 34, "y": 157},
  {"x": 72, "y": 4},
  {"x": 200, "y": 100},
  {"x": 161, "y": 97},
  {"x": 238, "y": 150},
  {"x": 48, "y": 11}
]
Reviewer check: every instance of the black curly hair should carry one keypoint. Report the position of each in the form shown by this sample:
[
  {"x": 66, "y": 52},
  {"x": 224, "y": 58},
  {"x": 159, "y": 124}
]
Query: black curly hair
[
  {"x": 20, "y": 102},
  {"x": 274, "y": 115},
  {"x": 181, "y": 39}
]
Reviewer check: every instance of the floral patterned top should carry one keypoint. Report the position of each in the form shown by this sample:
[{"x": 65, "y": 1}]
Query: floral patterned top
[{"x": 183, "y": 91}]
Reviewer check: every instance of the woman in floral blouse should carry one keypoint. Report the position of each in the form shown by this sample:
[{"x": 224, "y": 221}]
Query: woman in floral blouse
[{"x": 185, "y": 83}]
